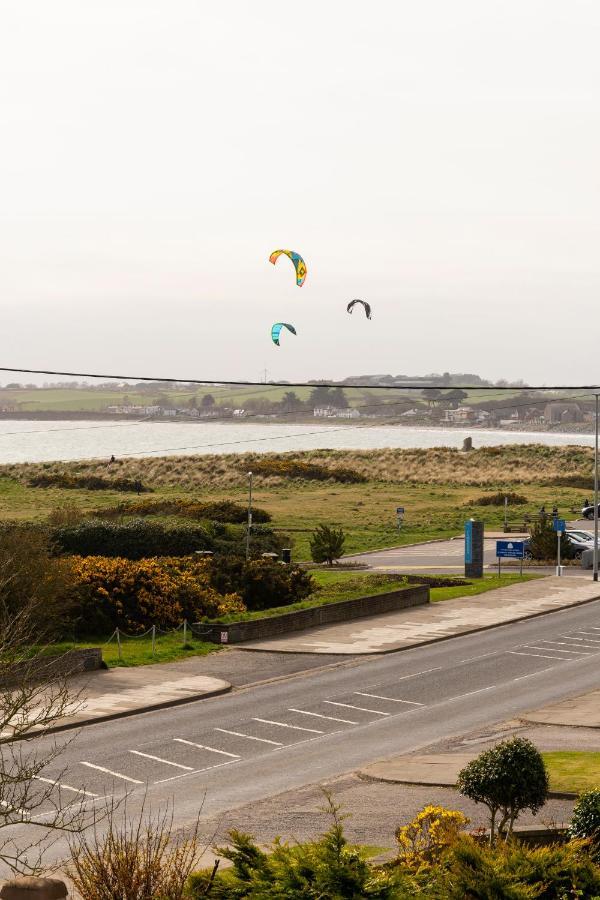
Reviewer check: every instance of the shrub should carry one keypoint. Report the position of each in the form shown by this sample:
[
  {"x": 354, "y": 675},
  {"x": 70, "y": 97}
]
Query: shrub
[
  {"x": 215, "y": 511},
  {"x": 430, "y": 832},
  {"x": 585, "y": 821},
  {"x": 290, "y": 468},
  {"x": 326, "y": 544},
  {"x": 261, "y": 583},
  {"x": 498, "y": 499},
  {"x": 324, "y": 869},
  {"x": 543, "y": 541},
  {"x": 135, "y": 594},
  {"x": 136, "y": 539},
  {"x": 508, "y": 779},
  {"x": 67, "y": 514},
  {"x": 88, "y": 482}
]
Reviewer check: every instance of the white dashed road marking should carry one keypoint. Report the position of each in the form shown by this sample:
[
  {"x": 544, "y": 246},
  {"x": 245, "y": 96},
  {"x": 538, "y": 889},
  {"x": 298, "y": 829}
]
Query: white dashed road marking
[
  {"x": 65, "y": 787},
  {"x": 285, "y": 725},
  {"x": 159, "y": 759},
  {"x": 110, "y": 772},
  {"x": 361, "y": 708},
  {"x": 305, "y": 712},
  {"x": 204, "y": 747},
  {"x": 250, "y": 737},
  {"x": 391, "y": 699}
]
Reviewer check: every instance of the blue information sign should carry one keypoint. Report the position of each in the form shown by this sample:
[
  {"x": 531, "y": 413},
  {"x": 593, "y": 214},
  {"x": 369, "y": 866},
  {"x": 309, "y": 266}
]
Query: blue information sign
[
  {"x": 559, "y": 524},
  {"x": 469, "y": 542},
  {"x": 510, "y": 549}
]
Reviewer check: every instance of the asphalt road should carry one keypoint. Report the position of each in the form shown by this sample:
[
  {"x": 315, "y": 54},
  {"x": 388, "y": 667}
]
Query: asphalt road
[{"x": 257, "y": 742}]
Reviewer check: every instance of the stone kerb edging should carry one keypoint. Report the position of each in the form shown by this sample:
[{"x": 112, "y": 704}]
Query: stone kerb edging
[
  {"x": 298, "y": 620},
  {"x": 26, "y": 888},
  {"x": 73, "y": 662}
]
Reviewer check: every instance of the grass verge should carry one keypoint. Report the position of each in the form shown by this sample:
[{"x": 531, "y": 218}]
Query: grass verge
[
  {"x": 137, "y": 651},
  {"x": 574, "y": 771}
]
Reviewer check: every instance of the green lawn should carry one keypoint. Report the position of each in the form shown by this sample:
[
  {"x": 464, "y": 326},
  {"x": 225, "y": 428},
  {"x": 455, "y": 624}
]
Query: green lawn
[
  {"x": 574, "y": 771},
  {"x": 138, "y": 651},
  {"x": 488, "y": 583}
]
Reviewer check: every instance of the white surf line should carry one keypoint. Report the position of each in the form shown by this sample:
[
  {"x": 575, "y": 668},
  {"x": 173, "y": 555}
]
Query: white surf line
[
  {"x": 538, "y": 655},
  {"x": 110, "y": 772},
  {"x": 204, "y": 747},
  {"x": 361, "y": 708},
  {"x": 65, "y": 787},
  {"x": 159, "y": 759},
  {"x": 305, "y": 712},
  {"x": 285, "y": 725},
  {"x": 391, "y": 699},
  {"x": 250, "y": 737}
]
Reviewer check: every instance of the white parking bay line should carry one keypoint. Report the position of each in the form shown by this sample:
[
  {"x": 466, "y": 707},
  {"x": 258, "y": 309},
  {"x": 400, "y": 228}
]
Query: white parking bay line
[
  {"x": 558, "y": 650},
  {"x": 593, "y": 637},
  {"x": 539, "y": 655},
  {"x": 110, "y": 772},
  {"x": 65, "y": 787},
  {"x": 285, "y": 725},
  {"x": 391, "y": 699},
  {"x": 250, "y": 737},
  {"x": 204, "y": 747},
  {"x": 228, "y": 762},
  {"x": 361, "y": 708},
  {"x": 579, "y": 648},
  {"x": 305, "y": 712},
  {"x": 159, "y": 759}
]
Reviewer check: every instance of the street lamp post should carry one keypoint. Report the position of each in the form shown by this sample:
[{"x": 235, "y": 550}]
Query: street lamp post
[
  {"x": 596, "y": 497},
  {"x": 249, "y": 526}
]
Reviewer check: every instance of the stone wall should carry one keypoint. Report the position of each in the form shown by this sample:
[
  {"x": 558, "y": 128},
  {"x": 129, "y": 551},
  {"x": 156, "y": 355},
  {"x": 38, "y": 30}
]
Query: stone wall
[
  {"x": 73, "y": 662},
  {"x": 345, "y": 610}
]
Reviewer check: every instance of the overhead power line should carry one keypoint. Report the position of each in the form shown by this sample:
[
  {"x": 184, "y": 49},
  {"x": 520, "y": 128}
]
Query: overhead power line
[{"x": 307, "y": 384}]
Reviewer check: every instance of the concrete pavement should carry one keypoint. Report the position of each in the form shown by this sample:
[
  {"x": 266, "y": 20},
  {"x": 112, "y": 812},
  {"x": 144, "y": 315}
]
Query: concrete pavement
[
  {"x": 580, "y": 712},
  {"x": 438, "y": 621}
]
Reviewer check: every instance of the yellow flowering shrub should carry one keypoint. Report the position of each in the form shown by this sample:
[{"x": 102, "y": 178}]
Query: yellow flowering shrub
[
  {"x": 430, "y": 832},
  {"x": 114, "y": 592}
]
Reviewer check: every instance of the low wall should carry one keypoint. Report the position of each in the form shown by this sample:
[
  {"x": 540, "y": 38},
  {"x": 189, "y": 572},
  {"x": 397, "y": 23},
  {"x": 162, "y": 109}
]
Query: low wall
[
  {"x": 344, "y": 610},
  {"x": 73, "y": 662}
]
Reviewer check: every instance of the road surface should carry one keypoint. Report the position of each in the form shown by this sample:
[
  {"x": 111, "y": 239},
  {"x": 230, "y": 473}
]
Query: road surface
[{"x": 257, "y": 742}]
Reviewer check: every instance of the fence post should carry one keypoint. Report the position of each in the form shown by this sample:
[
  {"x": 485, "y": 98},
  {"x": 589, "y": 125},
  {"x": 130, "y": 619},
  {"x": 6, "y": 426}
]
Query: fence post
[
  {"x": 185, "y": 632},
  {"x": 119, "y": 645},
  {"x": 153, "y": 639}
]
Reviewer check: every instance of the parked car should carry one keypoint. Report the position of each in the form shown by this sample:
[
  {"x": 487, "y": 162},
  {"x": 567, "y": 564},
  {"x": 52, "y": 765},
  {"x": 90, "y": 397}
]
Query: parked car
[
  {"x": 588, "y": 512},
  {"x": 579, "y": 540}
]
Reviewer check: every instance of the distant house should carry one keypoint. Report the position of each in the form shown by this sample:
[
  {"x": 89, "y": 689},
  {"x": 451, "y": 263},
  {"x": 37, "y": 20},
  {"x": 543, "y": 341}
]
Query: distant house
[
  {"x": 411, "y": 413},
  {"x": 129, "y": 410},
  {"x": 334, "y": 412},
  {"x": 460, "y": 415},
  {"x": 561, "y": 413},
  {"x": 239, "y": 412}
]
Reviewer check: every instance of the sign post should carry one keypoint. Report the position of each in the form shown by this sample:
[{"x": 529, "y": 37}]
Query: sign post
[
  {"x": 473, "y": 549},
  {"x": 510, "y": 550},
  {"x": 559, "y": 526}
]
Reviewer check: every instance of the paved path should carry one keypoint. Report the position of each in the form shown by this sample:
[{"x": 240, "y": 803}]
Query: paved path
[
  {"x": 432, "y": 768},
  {"x": 422, "y": 625},
  {"x": 583, "y": 711}
]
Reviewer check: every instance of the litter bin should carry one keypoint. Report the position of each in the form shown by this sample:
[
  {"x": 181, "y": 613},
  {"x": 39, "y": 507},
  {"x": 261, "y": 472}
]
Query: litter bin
[{"x": 286, "y": 555}]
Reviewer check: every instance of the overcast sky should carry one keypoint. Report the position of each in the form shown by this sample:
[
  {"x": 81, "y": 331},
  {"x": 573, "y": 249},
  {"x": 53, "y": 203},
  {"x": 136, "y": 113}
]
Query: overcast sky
[{"x": 440, "y": 159}]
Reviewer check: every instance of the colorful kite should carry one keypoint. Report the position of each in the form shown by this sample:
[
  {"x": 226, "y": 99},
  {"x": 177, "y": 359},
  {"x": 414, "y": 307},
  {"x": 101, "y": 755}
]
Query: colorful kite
[
  {"x": 364, "y": 303},
  {"x": 299, "y": 263},
  {"x": 276, "y": 331}
]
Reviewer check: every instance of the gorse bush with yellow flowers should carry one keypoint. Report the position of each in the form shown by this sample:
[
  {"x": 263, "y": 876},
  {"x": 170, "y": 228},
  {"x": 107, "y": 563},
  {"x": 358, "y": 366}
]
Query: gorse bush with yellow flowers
[
  {"x": 113, "y": 592},
  {"x": 432, "y": 831}
]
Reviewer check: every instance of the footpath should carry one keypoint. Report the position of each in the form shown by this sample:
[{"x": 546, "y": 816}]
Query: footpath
[{"x": 401, "y": 629}]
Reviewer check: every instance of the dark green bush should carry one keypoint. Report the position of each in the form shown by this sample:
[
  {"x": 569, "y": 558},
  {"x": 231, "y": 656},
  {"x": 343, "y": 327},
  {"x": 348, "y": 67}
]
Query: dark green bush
[
  {"x": 290, "y": 468},
  {"x": 261, "y": 583},
  {"x": 87, "y": 482},
  {"x": 585, "y": 822},
  {"x": 136, "y": 539},
  {"x": 215, "y": 511},
  {"x": 543, "y": 541},
  {"x": 326, "y": 544},
  {"x": 497, "y": 499}
]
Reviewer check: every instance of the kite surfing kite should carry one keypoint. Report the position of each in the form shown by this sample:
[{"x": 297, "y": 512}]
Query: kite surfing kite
[
  {"x": 367, "y": 306},
  {"x": 276, "y": 331},
  {"x": 299, "y": 263}
]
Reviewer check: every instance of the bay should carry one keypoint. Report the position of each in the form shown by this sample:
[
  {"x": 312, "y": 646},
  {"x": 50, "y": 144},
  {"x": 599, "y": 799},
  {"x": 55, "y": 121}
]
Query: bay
[{"x": 37, "y": 441}]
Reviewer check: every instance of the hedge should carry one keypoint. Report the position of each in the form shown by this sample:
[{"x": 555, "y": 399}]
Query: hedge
[
  {"x": 88, "y": 482},
  {"x": 215, "y": 511},
  {"x": 289, "y": 468},
  {"x": 261, "y": 583},
  {"x": 136, "y": 539}
]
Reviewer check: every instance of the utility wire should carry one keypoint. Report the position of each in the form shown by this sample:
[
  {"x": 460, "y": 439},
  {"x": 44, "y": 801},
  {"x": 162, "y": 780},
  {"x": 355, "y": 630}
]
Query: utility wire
[{"x": 217, "y": 382}]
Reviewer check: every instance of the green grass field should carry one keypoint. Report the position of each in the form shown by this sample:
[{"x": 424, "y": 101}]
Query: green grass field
[{"x": 573, "y": 771}]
